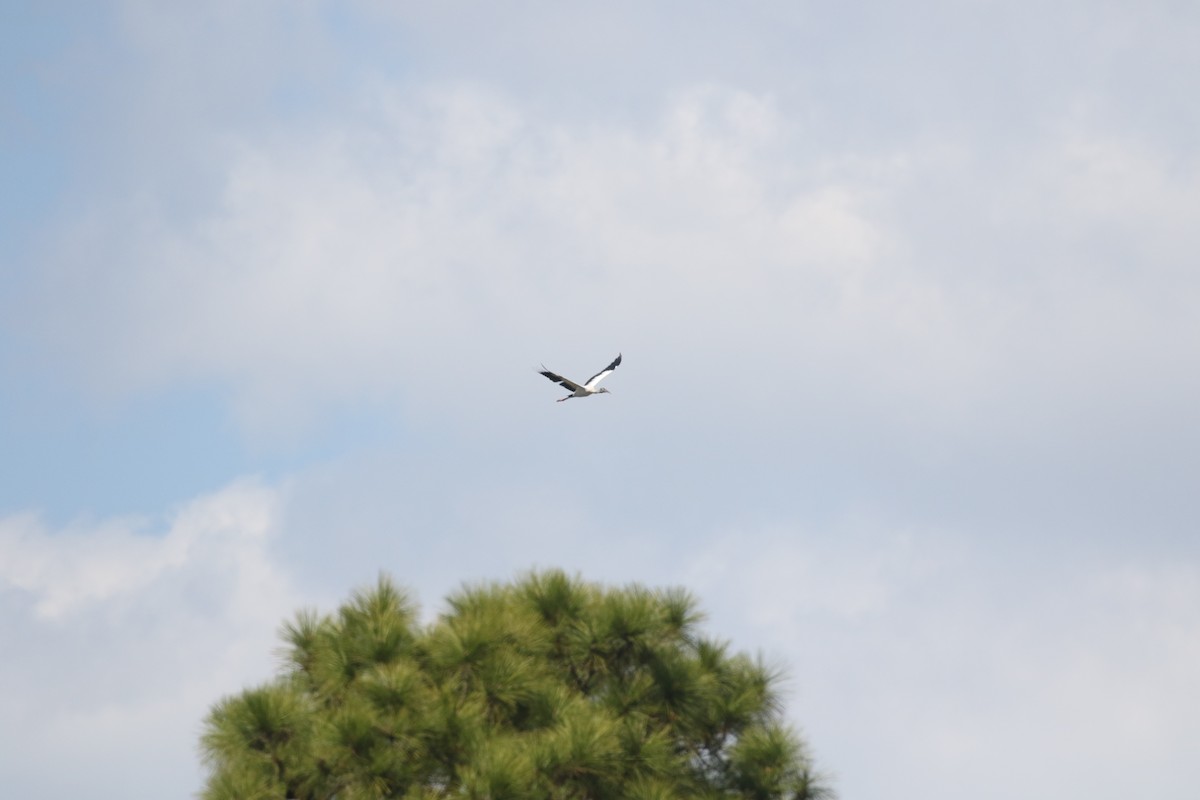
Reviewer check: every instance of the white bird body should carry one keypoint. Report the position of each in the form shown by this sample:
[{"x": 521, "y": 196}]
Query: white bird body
[{"x": 583, "y": 389}]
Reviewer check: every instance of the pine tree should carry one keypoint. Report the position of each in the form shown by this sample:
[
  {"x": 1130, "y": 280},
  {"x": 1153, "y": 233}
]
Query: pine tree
[{"x": 549, "y": 688}]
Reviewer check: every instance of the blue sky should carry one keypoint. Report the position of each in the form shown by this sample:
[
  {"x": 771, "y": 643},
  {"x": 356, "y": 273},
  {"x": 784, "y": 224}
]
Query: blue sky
[{"x": 907, "y": 301}]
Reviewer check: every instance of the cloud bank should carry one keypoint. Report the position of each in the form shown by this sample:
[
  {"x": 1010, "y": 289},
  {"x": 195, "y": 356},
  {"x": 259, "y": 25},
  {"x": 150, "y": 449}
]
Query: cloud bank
[{"x": 122, "y": 634}]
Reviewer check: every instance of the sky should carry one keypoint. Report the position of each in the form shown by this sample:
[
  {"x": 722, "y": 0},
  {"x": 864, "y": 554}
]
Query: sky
[{"x": 910, "y": 394}]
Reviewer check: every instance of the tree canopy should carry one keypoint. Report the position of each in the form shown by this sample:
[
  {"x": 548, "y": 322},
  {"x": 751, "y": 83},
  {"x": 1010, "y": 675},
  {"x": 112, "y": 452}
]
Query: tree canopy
[{"x": 548, "y": 687}]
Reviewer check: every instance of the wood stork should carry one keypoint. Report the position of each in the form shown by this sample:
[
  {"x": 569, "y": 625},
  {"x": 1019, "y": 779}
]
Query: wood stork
[{"x": 584, "y": 390}]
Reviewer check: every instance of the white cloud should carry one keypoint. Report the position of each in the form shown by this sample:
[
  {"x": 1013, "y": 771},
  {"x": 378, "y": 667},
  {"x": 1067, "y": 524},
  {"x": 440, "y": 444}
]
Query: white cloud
[
  {"x": 85, "y": 565},
  {"x": 122, "y": 636},
  {"x": 435, "y": 238},
  {"x": 951, "y": 668},
  {"x": 335, "y": 262}
]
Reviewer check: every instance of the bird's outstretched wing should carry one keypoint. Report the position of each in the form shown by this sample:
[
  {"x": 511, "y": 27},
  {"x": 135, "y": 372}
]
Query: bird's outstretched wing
[
  {"x": 594, "y": 381},
  {"x": 567, "y": 383}
]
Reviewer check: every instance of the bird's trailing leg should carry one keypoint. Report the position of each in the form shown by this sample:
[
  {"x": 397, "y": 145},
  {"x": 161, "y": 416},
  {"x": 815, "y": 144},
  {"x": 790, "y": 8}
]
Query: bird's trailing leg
[{"x": 568, "y": 397}]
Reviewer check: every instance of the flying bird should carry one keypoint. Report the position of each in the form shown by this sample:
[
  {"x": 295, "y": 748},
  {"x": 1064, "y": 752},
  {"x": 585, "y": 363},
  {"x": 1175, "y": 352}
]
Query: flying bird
[{"x": 589, "y": 388}]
